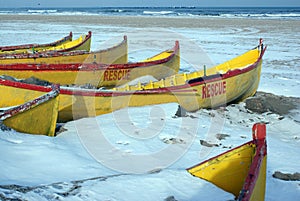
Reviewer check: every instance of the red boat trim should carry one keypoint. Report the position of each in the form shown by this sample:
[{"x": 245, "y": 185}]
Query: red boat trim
[
  {"x": 95, "y": 93},
  {"x": 47, "y": 54},
  {"x": 171, "y": 89},
  {"x": 253, "y": 173},
  {"x": 228, "y": 74},
  {"x": 24, "y": 85},
  {"x": 88, "y": 67},
  {"x": 86, "y": 92},
  {"x": 261, "y": 152},
  {"x": 218, "y": 77},
  {"x": 29, "y": 46},
  {"x": 87, "y": 37},
  {"x": 224, "y": 153},
  {"x": 31, "y": 104}
]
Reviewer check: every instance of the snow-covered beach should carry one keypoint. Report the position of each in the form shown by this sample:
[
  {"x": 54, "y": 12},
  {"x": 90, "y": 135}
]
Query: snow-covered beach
[{"x": 44, "y": 168}]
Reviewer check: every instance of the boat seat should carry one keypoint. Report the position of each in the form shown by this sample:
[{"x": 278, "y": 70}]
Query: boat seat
[{"x": 204, "y": 78}]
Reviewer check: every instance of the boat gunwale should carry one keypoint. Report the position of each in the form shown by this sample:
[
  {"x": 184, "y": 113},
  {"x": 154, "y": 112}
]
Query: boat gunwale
[
  {"x": 171, "y": 89},
  {"x": 254, "y": 170},
  {"x": 87, "y": 92},
  {"x": 226, "y": 75},
  {"x": 256, "y": 163},
  {"x": 33, "y": 45},
  {"x": 229, "y": 73},
  {"x": 52, "y": 53},
  {"x": 91, "y": 67},
  {"x": 87, "y": 37},
  {"x": 54, "y": 92},
  {"x": 249, "y": 143}
]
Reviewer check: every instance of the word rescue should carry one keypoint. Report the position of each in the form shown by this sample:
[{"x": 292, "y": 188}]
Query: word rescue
[
  {"x": 214, "y": 89},
  {"x": 110, "y": 75}
]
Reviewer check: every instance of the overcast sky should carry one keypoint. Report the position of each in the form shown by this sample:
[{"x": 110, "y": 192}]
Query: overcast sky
[{"x": 122, "y": 3}]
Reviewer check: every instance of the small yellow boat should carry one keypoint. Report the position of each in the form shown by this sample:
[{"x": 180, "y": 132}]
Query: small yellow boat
[
  {"x": 159, "y": 66},
  {"x": 37, "y": 116},
  {"x": 63, "y": 45},
  {"x": 240, "y": 171},
  {"x": 115, "y": 54}
]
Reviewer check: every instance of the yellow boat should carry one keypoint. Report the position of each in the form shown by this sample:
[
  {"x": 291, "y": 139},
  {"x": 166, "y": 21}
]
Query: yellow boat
[
  {"x": 63, "y": 45},
  {"x": 159, "y": 66},
  {"x": 229, "y": 82},
  {"x": 240, "y": 171},
  {"x": 37, "y": 116},
  {"x": 115, "y": 54}
]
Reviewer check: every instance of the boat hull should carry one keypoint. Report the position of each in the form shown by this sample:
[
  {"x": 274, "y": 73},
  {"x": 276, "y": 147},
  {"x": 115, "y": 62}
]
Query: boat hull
[
  {"x": 199, "y": 92},
  {"x": 115, "y": 54},
  {"x": 99, "y": 75},
  {"x": 64, "y": 45},
  {"x": 214, "y": 90},
  {"x": 90, "y": 104},
  {"x": 38, "y": 116},
  {"x": 25, "y": 48},
  {"x": 240, "y": 171}
]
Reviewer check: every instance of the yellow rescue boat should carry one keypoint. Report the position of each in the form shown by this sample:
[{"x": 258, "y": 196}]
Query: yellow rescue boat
[
  {"x": 63, "y": 45},
  {"x": 240, "y": 171},
  {"x": 229, "y": 82},
  {"x": 159, "y": 66},
  {"x": 115, "y": 54},
  {"x": 37, "y": 116}
]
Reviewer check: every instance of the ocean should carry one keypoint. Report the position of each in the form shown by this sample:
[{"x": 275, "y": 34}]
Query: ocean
[{"x": 235, "y": 12}]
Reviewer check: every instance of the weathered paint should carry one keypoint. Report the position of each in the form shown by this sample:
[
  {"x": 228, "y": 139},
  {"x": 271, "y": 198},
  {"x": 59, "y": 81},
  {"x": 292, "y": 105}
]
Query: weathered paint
[{"x": 36, "y": 116}]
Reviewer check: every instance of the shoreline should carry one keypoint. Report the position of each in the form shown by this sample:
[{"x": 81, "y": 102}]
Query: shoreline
[{"x": 152, "y": 21}]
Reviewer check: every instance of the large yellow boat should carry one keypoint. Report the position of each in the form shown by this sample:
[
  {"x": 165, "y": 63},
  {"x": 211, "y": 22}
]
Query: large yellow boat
[
  {"x": 159, "y": 66},
  {"x": 37, "y": 116},
  {"x": 240, "y": 171},
  {"x": 63, "y": 45},
  {"x": 115, "y": 54},
  {"x": 232, "y": 81}
]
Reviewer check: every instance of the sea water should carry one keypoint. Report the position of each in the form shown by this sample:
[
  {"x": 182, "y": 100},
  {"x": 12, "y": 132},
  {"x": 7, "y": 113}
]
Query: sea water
[{"x": 228, "y": 12}]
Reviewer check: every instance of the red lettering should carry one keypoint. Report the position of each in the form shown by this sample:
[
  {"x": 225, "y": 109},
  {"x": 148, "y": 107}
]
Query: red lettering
[
  {"x": 215, "y": 89},
  {"x": 224, "y": 87},
  {"x": 217, "y": 86},
  {"x": 105, "y": 75},
  {"x": 208, "y": 91},
  {"x": 120, "y": 74},
  {"x": 110, "y": 75},
  {"x": 115, "y": 75},
  {"x": 203, "y": 92}
]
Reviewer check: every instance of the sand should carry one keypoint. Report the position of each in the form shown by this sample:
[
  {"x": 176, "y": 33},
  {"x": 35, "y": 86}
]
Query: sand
[{"x": 145, "y": 21}]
